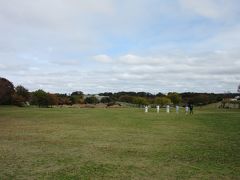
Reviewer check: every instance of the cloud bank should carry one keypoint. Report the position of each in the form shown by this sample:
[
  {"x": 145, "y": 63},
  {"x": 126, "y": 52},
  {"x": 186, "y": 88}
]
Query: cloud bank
[{"x": 109, "y": 45}]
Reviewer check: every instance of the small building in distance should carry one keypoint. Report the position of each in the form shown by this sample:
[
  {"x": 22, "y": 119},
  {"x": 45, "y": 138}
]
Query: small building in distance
[
  {"x": 231, "y": 103},
  {"x": 95, "y": 95}
]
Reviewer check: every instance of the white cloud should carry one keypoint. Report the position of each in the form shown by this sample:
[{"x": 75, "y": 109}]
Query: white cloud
[
  {"x": 102, "y": 58},
  {"x": 207, "y": 72},
  {"x": 215, "y": 9},
  {"x": 208, "y": 8},
  {"x": 52, "y": 45},
  {"x": 2, "y": 66},
  {"x": 67, "y": 62},
  {"x": 227, "y": 39},
  {"x": 52, "y": 12},
  {"x": 132, "y": 59}
]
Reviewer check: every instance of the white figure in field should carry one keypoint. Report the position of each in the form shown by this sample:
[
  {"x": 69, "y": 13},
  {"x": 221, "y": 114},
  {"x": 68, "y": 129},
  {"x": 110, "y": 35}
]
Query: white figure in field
[
  {"x": 146, "y": 109},
  {"x": 186, "y": 109},
  {"x": 177, "y": 109},
  {"x": 168, "y": 109},
  {"x": 158, "y": 109}
]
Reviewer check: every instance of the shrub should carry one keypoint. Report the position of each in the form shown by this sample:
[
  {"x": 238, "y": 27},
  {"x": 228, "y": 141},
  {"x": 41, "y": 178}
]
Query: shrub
[{"x": 91, "y": 100}]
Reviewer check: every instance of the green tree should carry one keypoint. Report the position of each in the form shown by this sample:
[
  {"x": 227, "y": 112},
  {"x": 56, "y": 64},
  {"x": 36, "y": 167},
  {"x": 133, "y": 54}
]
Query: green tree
[
  {"x": 76, "y": 97},
  {"x": 40, "y": 98},
  {"x": 160, "y": 94},
  {"x": 174, "y": 97},
  {"x": 22, "y": 91},
  {"x": 126, "y": 98},
  {"x": 140, "y": 101},
  {"x": 91, "y": 100},
  {"x": 105, "y": 100},
  {"x": 77, "y": 93},
  {"x": 162, "y": 101}
]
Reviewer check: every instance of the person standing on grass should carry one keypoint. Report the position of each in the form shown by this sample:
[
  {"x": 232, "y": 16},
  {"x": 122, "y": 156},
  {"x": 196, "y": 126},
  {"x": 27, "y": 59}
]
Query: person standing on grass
[
  {"x": 146, "y": 109},
  {"x": 158, "y": 108},
  {"x": 186, "y": 109},
  {"x": 177, "y": 109},
  {"x": 191, "y": 108},
  {"x": 168, "y": 109}
]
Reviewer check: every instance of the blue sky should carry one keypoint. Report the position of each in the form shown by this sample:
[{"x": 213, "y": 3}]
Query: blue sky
[{"x": 129, "y": 45}]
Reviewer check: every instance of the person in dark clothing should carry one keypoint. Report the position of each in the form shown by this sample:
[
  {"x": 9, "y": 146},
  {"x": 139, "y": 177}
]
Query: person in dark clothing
[{"x": 191, "y": 108}]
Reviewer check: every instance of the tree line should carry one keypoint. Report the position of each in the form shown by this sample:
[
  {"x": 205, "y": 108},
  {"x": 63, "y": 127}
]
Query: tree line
[{"x": 20, "y": 96}]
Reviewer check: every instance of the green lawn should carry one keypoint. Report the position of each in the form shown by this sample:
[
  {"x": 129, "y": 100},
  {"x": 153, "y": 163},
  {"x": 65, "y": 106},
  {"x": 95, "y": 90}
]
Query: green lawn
[{"x": 72, "y": 143}]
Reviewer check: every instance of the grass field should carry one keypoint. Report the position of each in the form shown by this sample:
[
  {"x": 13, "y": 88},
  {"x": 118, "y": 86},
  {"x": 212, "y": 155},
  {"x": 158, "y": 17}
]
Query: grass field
[{"x": 72, "y": 143}]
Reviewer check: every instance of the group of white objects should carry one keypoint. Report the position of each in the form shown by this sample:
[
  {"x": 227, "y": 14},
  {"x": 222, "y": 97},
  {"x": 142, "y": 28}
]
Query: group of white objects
[{"x": 168, "y": 109}]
